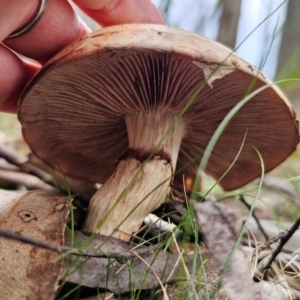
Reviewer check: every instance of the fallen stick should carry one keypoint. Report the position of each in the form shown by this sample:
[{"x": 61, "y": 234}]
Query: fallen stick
[
  {"x": 20, "y": 161},
  {"x": 29, "y": 181}
]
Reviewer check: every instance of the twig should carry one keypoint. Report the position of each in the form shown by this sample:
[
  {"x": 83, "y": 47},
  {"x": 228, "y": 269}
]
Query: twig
[
  {"x": 10, "y": 156},
  {"x": 283, "y": 240},
  {"x": 20, "y": 161},
  {"x": 4, "y": 165},
  {"x": 159, "y": 224},
  {"x": 27, "y": 180},
  {"x": 73, "y": 251},
  {"x": 29, "y": 240},
  {"x": 271, "y": 241},
  {"x": 242, "y": 199}
]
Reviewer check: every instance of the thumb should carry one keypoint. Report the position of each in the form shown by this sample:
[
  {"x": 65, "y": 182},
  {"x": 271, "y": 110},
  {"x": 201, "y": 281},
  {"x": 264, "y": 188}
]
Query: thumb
[{"x": 112, "y": 12}]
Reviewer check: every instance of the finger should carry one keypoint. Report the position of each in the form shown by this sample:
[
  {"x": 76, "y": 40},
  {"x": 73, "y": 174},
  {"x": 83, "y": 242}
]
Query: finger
[
  {"x": 58, "y": 27},
  {"x": 11, "y": 18},
  {"x": 112, "y": 12},
  {"x": 14, "y": 75}
]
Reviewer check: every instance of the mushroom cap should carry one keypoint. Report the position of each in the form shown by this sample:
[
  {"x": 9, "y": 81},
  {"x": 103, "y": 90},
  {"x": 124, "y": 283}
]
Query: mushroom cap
[{"x": 73, "y": 111}]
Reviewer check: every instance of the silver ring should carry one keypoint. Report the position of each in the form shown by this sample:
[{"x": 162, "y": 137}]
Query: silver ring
[{"x": 27, "y": 27}]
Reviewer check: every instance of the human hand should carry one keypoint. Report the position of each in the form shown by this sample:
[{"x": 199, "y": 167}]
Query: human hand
[{"x": 57, "y": 28}]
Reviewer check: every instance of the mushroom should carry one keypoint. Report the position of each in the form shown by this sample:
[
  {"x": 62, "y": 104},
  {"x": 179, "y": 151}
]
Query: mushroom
[{"x": 123, "y": 106}]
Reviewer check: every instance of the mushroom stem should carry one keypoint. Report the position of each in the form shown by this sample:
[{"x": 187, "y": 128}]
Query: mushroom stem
[{"x": 142, "y": 178}]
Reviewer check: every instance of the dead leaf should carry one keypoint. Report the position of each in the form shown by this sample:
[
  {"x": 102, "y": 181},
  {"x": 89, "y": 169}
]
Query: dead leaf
[
  {"x": 220, "y": 228},
  {"x": 118, "y": 275},
  {"x": 124, "y": 275},
  {"x": 28, "y": 271}
]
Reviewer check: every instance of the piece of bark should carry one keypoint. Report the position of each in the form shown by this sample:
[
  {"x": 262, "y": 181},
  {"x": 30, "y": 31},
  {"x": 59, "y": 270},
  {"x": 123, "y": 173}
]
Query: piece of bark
[
  {"x": 28, "y": 271},
  {"x": 7, "y": 199}
]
